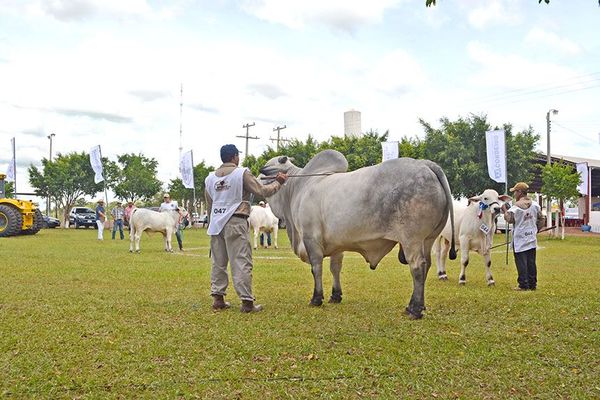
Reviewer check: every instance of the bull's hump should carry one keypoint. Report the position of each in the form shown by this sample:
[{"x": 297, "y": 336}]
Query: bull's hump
[{"x": 327, "y": 161}]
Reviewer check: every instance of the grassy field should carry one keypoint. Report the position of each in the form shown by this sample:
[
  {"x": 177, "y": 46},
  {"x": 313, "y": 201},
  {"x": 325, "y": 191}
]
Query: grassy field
[{"x": 85, "y": 319}]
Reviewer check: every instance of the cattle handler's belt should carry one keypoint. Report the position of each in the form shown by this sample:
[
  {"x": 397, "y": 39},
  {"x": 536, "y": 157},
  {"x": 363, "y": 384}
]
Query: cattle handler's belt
[{"x": 240, "y": 216}]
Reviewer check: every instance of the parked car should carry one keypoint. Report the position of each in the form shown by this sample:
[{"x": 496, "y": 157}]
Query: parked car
[
  {"x": 82, "y": 216},
  {"x": 50, "y": 222}
]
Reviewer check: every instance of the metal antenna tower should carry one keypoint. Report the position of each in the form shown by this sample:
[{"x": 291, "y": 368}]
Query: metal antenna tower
[{"x": 181, "y": 120}]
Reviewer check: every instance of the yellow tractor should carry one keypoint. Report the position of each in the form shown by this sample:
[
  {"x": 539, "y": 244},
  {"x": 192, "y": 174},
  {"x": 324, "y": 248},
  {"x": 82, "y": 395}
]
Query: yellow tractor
[{"x": 18, "y": 216}]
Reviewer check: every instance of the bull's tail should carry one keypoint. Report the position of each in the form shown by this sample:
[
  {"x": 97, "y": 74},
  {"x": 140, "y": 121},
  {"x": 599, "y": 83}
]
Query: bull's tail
[{"x": 437, "y": 170}]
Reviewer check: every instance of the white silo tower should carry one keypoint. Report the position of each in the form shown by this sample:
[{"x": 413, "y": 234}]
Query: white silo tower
[{"x": 352, "y": 125}]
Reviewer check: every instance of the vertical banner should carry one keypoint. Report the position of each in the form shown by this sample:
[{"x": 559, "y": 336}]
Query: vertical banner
[
  {"x": 11, "y": 171},
  {"x": 390, "y": 150},
  {"x": 96, "y": 162},
  {"x": 186, "y": 169},
  {"x": 582, "y": 168},
  {"x": 496, "y": 155}
]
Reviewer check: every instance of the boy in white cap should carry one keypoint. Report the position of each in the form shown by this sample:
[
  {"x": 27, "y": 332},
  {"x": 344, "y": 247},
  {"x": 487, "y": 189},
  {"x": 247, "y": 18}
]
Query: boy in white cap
[{"x": 526, "y": 215}]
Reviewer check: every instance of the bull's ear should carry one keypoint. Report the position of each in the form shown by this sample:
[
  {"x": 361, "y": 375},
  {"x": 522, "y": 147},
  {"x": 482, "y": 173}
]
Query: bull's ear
[
  {"x": 505, "y": 198},
  {"x": 283, "y": 159},
  {"x": 474, "y": 199}
]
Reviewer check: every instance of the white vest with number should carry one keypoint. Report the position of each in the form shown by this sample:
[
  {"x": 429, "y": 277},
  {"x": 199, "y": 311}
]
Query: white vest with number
[
  {"x": 226, "y": 194},
  {"x": 524, "y": 235}
]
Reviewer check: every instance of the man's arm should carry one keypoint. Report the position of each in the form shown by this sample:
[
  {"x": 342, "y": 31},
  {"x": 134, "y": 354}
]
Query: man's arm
[
  {"x": 540, "y": 221},
  {"x": 509, "y": 216},
  {"x": 253, "y": 185},
  {"x": 208, "y": 205}
]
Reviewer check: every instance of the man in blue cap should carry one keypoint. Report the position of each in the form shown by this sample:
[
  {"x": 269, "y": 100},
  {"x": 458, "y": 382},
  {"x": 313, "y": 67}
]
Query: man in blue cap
[{"x": 228, "y": 191}]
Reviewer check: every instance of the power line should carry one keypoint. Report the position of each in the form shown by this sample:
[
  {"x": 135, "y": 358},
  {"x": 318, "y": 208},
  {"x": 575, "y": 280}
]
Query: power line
[
  {"x": 572, "y": 131},
  {"x": 533, "y": 92}
]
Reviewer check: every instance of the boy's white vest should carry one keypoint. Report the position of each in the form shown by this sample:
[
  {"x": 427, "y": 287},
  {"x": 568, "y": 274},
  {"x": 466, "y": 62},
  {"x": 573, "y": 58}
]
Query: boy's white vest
[
  {"x": 524, "y": 235},
  {"x": 226, "y": 194}
]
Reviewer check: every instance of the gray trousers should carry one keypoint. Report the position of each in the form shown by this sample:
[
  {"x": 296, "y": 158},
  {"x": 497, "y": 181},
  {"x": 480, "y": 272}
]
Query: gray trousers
[{"x": 232, "y": 245}]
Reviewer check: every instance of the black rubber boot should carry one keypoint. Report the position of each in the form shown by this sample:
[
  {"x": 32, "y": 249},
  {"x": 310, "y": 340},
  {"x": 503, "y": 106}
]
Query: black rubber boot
[
  {"x": 249, "y": 307},
  {"x": 219, "y": 303}
]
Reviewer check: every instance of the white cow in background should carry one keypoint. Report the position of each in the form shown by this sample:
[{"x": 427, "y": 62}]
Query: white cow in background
[
  {"x": 143, "y": 219},
  {"x": 262, "y": 220},
  {"x": 474, "y": 227}
]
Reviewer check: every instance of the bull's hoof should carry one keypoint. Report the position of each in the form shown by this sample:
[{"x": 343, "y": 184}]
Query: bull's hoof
[
  {"x": 316, "y": 302},
  {"x": 443, "y": 277},
  {"x": 413, "y": 315},
  {"x": 137, "y": 251},
  {"x": 256, "y": 248},
  {"x": 491, "y": 282},
  {"x": 462, "y": 283},
  {"x": 335, "y": 300},
  {"x": 131, "y": 251},
  {"x": 373, "y": 267}
]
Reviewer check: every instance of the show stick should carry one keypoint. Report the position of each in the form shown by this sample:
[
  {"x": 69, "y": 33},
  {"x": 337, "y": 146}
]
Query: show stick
[
  {"x": 540, "y": 231},
  {"x": 299, "y": 175}
]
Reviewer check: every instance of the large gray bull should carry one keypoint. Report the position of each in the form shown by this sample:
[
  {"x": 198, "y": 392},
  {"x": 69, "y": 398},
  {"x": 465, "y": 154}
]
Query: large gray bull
[{"x": 402, "y": 201}]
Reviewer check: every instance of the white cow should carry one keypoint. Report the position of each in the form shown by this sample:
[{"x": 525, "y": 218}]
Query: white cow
[
  {"x": 328, "y": 211},
  {"x": 262, "y": 220},
  {"x": 143, "y": 219},
  {"x": 474, "y": 227}
]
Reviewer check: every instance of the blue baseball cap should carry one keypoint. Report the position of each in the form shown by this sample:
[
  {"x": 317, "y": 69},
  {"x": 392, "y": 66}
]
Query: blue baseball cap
[{"x": 228, "y": 151}]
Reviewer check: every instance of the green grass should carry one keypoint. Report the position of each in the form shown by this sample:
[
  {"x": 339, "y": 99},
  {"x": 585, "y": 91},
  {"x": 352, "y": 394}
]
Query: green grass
[{"x": 86, "y": 319}]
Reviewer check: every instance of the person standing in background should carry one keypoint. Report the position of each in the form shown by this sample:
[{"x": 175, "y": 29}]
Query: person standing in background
[
  {"x": 117, "y": 215},
  {"x": 100, "y": 218}
]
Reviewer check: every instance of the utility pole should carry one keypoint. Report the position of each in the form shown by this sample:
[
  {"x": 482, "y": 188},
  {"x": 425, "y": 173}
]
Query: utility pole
[
  {"x": 50, "y": 136},
  {"x": 279, "y": 139},
  {"x": 548, "y": 163},
  {"x": 247, "y": 137}
]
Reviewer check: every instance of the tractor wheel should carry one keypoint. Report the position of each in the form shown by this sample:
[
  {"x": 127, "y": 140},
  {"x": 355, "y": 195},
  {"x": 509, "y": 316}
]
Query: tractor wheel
[
  {"x": 10, "y": 221},
  {"x": 38, "y": 223}
]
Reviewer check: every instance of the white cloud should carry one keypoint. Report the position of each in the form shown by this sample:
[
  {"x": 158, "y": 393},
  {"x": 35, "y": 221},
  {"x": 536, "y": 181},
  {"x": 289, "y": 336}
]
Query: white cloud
[
  {"x": 342, "y": 15},
  {"x": 504, "y": 70},
  {"x": 81, "y": 10},
  {"x": 494, "y": 12},
  {"x": 538, "y": 37}
]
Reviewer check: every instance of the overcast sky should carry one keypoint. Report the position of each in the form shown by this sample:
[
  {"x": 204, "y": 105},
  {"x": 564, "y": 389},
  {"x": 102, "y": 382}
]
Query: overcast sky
[{"x": 109, "y": 72}]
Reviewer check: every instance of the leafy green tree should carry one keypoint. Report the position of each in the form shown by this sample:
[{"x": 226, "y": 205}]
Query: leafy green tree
[
  {"x": 361, "y": 151},
  {"x": 66, "y": 179},
  {"x": 136, "y": 179},
  {"x": 560, "y": 182},
  {"x": 412, "y": 147},
  {"x": 459, "y": 148},
  {"x": 9, "y": 189},
  {"x": 300, "y": 151}
]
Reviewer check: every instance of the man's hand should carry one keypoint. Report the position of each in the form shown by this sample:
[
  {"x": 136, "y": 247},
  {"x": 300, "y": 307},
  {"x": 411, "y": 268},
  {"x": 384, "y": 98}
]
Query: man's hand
[{"x": 281, "y": 177}]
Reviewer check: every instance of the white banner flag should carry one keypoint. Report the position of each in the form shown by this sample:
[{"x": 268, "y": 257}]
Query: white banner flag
[
  {"x": 10, "y": 171},
  {"x": 96, "y": 161},
  {"x": 496, "y": 155},
  {"x": 186, "y": 169},
  {"x": 390, "y": 150},
  {"x": 582, "y": 168}
]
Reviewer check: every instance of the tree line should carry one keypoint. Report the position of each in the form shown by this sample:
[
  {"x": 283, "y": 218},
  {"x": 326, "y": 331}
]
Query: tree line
[{"x": 457, "y": 146}]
